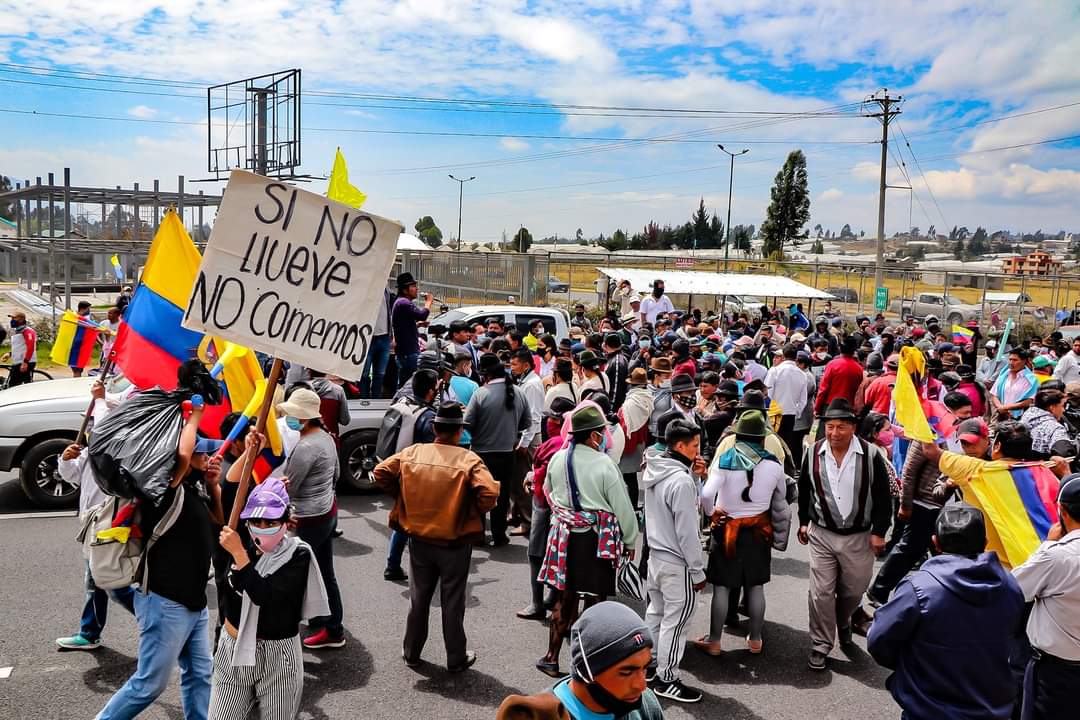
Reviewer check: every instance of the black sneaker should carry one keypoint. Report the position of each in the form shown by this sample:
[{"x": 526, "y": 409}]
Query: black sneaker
[
  {"x": 650, "y": 674},
  {"x": 816, "y": 661},
  {"x": 470, "y": 660},
  {"x": 844, "y": 636},
  {"x": 394, "y": 575},
  {"x": 678, "y": 692}
]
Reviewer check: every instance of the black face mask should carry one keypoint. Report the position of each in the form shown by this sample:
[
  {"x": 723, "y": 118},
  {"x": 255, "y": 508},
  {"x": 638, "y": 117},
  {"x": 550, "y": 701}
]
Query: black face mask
[
  {"x": 658, "y": 292},
  {"x": 492, "y": 334},
  {"x": 687, "y": 401},
  {"x": 609, "y": 702}
]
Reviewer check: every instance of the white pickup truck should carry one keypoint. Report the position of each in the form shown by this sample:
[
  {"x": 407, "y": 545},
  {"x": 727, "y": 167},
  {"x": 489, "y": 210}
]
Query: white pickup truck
[
  {"x": 40, "y": 419},
  {"x": 556, "y": 320},
  {"x": 945, "y": 307}
]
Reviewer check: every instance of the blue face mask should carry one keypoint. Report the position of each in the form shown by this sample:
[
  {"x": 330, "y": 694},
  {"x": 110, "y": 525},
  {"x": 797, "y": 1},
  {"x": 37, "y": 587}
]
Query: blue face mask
[
  {"x": 602, "y": 447},
  {"x": 293, "y": 423},
  {"x": 15, "y": 323},
  {"x": 643, "y": 344}
]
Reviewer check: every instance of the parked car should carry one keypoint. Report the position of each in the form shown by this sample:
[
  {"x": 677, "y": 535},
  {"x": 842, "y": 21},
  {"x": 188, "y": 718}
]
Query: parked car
[
  {"x": 555, "y": 285},
  {"x": 556, "y": 320},
  {"x": 844, "y": 295},
  {"x": 37, "y": 421},
  {"x": 945, "y": 307}
]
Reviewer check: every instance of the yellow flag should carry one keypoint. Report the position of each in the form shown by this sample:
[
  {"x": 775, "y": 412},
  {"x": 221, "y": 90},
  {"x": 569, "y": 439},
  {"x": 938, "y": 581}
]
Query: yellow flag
[
  {"x": 908, "y": 407},
  {"x": 339, "y": 188}
]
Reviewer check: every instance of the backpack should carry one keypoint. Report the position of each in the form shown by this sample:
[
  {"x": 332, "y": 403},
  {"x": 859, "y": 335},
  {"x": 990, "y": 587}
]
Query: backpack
[
  {"x": 398, "y": 427},
  {"x": 117, "y": 558}
]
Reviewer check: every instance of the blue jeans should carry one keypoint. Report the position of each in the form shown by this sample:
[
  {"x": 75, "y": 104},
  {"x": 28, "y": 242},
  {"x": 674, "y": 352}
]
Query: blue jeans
[
  {"x": 397, "y": 549},
  {"x": 371, "y": 381},
  {"x": 169, "y": 633},
  {"x": 320, "y": 536},
  {"x": 96, "y": 606},
  {"x": 406, "y": 366}
]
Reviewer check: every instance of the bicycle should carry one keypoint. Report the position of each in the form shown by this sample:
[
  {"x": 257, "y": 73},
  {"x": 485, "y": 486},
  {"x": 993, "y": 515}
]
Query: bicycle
[{"x": 5, "y": 372}]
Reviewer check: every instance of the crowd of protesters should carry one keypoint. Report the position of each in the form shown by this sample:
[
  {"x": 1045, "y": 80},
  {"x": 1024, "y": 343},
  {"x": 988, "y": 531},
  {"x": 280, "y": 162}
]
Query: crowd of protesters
[{"x": 652, "y": 454}]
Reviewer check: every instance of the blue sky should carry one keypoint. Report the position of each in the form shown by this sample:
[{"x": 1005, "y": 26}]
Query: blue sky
[{"x": 959, "y": 65}]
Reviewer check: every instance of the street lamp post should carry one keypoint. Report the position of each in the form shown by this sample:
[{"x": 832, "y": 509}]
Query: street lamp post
[
  {"x": 461, "y": 190},
  {"x": 731, "y": 179}
]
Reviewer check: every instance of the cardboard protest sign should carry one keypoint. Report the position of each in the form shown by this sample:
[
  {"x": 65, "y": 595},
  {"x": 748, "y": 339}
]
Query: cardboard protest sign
[{"x": 293, "y": 274}]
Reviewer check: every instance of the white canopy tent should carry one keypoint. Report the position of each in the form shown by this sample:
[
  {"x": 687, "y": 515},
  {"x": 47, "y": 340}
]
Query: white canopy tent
[
  {"x": 683, "y": 282},
  {"x": 410, "y": 242}
]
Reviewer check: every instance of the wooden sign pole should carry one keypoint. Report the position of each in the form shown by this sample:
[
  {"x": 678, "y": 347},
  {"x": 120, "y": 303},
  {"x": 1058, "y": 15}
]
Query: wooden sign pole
[
  {"x": 249, "y": 458},
  {"x": 81, "y": 438}
]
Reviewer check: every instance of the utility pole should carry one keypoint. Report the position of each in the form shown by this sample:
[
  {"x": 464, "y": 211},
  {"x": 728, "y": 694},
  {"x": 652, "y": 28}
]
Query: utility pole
[
  {"x": 885, "y": 104},
  {"x": 461, "y": 191},
  {"x": 731, "y": 180}
]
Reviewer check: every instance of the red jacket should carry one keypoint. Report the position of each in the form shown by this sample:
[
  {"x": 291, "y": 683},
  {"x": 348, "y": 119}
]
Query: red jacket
[
  {"x": 842, "y": 378},
  {"x": 879, "y": 393}
]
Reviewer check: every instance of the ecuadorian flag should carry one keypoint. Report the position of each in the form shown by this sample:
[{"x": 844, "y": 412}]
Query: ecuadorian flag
[
  {"x": 151, "y": 344},
  {"x": 75, "y": 340},
  {"x": 1019, "y": 501}
]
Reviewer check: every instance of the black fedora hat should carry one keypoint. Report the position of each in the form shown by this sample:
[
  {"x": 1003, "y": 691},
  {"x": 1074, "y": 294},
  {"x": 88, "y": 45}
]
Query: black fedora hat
[
  {"x": 682, "y": 383},
  {"x": 450, "y": 413},
  {"x": 840, "y": 409},
  {"x": 751, "y": 400},
  {"x": 404, "y": 280},
  {"x": 559, "y": 407}
]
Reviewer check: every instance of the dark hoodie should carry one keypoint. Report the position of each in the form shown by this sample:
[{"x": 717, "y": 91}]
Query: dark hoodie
[{"x": 947, "y": 633}]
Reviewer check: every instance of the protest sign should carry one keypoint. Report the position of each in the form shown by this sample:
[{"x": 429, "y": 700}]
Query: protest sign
[{"x": 293, "y": 274}]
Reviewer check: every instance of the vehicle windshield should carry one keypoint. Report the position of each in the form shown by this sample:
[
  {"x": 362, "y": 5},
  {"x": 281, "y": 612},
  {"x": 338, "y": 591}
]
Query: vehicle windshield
[
  {"x": 951, "y": 300},
  {"x": 448, "y": 317}
]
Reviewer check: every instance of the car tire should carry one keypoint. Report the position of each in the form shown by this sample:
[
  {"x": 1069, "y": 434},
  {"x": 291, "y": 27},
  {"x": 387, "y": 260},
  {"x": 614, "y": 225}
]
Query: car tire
[
  {"x": 40, "y": 479},
  {"x": 357, "y": 458}
]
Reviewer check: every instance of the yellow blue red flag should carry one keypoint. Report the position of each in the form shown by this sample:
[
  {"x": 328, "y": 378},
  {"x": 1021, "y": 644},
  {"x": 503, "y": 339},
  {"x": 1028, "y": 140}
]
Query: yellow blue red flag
[{"x": 340, "y": 188}]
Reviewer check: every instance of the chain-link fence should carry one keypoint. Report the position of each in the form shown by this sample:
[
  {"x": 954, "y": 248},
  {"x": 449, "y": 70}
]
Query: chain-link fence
[{"x": 564, "y": 279}]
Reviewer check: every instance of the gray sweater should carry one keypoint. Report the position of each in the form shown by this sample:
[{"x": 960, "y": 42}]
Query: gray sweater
[
  {"x": 311, "y": 469},
  {"x": 495, "y": 427}
]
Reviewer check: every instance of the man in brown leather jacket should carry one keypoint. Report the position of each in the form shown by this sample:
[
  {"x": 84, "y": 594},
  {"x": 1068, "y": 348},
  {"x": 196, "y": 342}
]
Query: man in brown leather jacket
[{"x": 441, "y": 493}]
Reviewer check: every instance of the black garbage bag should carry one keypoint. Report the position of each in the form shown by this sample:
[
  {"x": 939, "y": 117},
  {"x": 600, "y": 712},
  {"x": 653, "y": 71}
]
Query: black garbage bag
[{"x": 133, "y": 450}]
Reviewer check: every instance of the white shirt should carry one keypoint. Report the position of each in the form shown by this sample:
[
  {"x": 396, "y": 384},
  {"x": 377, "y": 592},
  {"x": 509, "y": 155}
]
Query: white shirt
[
  {"x": 1051, "y": 577},
  {"x": 533, "y": 388},
  {"x": 1068, "y": 368},
  {"x": 651, "y": 307},
  {"x": 724, "y": 489},
  {"x": 787, "y": 386},
  {"x": 842, "y": 475}
]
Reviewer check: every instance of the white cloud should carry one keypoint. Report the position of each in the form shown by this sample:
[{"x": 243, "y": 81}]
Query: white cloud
[
  {"x": 514, "y": 144},
  {"x": 143, "y": 112},
  {"x": 831, "y": 194}
]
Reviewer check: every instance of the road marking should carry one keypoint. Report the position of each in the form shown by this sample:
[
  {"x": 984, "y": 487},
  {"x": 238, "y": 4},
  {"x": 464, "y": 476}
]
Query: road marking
[
  {"x": 28, "y": 515},
  {"x": 5, "y": 672}
]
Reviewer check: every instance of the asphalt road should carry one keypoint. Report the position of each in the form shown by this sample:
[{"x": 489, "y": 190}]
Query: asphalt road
[{"x": 41, "y": 595}]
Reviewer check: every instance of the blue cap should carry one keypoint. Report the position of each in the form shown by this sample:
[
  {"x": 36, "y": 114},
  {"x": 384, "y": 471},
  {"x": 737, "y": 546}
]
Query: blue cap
[
  {"x": 577, "y": 347},
  {"x": 207, "y": 445}
]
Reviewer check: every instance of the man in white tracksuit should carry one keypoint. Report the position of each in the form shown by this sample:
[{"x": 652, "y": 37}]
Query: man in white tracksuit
[{"x": 676, "y": 563}]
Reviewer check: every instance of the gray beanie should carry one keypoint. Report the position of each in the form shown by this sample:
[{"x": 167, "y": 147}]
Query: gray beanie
[{"x": 605, "y": 634}]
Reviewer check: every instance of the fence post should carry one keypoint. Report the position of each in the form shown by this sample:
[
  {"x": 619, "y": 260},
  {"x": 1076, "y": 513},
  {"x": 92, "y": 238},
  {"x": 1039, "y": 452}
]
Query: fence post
[
  {"x": 944, "y": 305},
  {"x": 67, "y": 242}
]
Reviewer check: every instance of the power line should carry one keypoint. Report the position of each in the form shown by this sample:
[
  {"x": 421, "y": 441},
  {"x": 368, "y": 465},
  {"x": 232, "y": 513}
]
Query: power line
[
  {"x": 996, "y": 119},
  {"x": 926, "y": 182},
  {"x": 1050, "y": 141}
]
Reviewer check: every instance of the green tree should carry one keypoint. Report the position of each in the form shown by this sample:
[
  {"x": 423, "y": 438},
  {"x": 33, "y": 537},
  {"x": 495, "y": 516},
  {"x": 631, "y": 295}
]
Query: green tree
[
  {"x": 817, "y": 248},
  {"x": 958, "y": 249},
  {"x": 429, "y": 232},
  {"x": 740, "y": 237},
  {"x": 845, "y": 232},
  {"x": 789, "y": 207},
  {"x": 578, "y": 235},
  {"x": 6, "y": 210},
  {"x": 716, "y": 229},
  {"x": 817, "y": 230},
  {"x": 979, "y": 244},
  {"x": 522, "y": 240},
  {"x": 701, "y": 236},
  {"x": 616, "y": 242}
]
